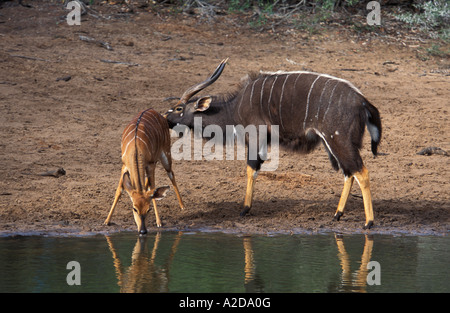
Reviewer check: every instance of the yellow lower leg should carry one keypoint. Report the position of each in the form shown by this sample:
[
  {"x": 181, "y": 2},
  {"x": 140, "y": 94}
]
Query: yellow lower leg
[
  {"x": 158, "y": 221},
  {"x": 251, "y": 177},
  {"x": 116, "y": 197},
  {"x": 175, "y": 187},
  {"x": 344, "y": 196},
  {"x": 151, "y": 178},
  {"x": 363, "y": 180}
]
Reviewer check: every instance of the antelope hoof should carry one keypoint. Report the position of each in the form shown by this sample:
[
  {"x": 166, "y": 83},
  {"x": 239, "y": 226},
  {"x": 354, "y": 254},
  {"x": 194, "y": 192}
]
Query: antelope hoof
[
  {"x": 245, "y": 211},
  {"x": 106, "y": 223},
  {"x": 337, "y": 216},
  {"x": 368, "y": 225}
]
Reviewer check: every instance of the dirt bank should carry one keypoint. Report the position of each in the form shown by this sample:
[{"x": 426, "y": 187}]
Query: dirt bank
[{"x": 63, "y": 105}]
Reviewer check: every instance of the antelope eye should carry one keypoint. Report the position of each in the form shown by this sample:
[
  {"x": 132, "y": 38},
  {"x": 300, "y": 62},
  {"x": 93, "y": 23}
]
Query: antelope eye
[
  {"x": 134, "y": 209},
  {"x": 178, "y": 109}
]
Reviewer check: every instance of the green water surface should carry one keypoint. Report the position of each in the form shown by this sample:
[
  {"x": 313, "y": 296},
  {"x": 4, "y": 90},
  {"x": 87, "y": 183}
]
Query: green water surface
[{"x": 218, "y": 262}]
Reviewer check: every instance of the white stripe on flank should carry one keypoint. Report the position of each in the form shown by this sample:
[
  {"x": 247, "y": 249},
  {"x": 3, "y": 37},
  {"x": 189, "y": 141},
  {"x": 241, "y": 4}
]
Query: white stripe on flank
[
  {"x": 328, "y": 146},
  {"x": 240, "y": 103},
  {"x": 307, "y": 101},
  {"x": 134, "y": 137},
  {"x": 148, "y": 139},
  {"x": 320, "y": 99},
  {"x": 262, "y": 92},
  {"x": 131, "y": 131},
  {"x": 270, "y": 97},
  {"x": 281, "y": 98},
  {"x": 144, "y": 144},
  {"x": 329, "y": 101},
  {"x": 126, "y": 147},
  {"x": 292, "y": 102},
  {"x": 125, "y": 130},
  {"x": 340, "y": 98},
  {"x": 143, "y": 118},
  {"x": 251, "y": 94},
  {"x": 295, "y": 81},
  {"x": 152, "y": 122},
  {"x": 323, "y": 75}
]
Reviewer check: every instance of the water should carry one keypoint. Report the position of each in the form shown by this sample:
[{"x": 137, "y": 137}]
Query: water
[{"x": 218, "y": 262}]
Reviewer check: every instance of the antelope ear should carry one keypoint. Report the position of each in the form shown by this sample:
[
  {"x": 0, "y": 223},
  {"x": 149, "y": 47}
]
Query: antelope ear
[
  {"x": 160, "y": 192},
  {"x": 126, "y": 183},
  {"x": 202, "y": 104}
]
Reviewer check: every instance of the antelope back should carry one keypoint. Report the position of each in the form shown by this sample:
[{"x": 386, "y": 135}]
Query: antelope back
[
  {"x": 294, "y": 100},
  {"x": 143, "y": 140}
]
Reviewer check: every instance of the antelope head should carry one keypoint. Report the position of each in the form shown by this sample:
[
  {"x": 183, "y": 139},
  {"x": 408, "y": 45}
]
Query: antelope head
[
  {"x": 183, "y": 112},
  {"x": 142, "y": 201}
]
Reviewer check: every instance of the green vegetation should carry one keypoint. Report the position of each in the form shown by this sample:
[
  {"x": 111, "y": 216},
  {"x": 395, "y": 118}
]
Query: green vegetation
[
  {"x": 432, "y": 17},
  {"x": 429, "y": 18}
]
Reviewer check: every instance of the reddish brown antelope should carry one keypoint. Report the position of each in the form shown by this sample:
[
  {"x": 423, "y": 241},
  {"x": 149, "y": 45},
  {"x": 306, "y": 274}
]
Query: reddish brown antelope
[
  {"x": 145, "y": 141},
  {"x": 309, "y": 108}
]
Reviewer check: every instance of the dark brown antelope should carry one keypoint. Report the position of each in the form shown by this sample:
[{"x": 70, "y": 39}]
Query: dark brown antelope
[
  {"x": 145, "y": 141},
  {"x": 308, "y": 108}
]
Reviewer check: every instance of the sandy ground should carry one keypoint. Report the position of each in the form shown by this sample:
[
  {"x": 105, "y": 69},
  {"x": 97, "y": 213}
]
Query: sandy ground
[{"x": 48, "y": 123}]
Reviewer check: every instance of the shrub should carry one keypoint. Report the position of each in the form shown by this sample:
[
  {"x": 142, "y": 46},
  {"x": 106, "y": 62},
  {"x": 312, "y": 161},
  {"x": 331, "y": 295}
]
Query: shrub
[{"x": 433, "y": 17}]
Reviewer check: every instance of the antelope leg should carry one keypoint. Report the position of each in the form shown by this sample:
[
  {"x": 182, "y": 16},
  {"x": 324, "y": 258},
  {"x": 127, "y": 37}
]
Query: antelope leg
[
  {"x": 362, "y": 178},
  {"x": 151, "y": 178},
  {"x": 116, "y": 197},
  {"x": 167, "y": 164},
  {"x": 344, "y": 196},
  {"x": 251, "y": 178},
  {"x": 175, "y": 187},
  {"x": 253, "y": 167}
]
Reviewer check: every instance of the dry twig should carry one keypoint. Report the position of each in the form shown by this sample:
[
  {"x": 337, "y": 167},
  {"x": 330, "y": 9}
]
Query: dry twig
[{"x": 102, "y": 44}]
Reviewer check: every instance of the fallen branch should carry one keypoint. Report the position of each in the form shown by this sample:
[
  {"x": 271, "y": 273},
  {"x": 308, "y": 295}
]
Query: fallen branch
[
  {"x": 102, "y": 44},
  {"x": 164, "y": 37},
  {"x": 432, "y": 150},
  {"x": 8, "y": 83},
  {"x": 179, "y": 58},
  {"x": 351, "y": 69},
  {"x": 54, "y": 173},
  {"x": 65, "y": 78},
  {"x": 28, "y": 58},
  {"x": 119, "y": 62}
]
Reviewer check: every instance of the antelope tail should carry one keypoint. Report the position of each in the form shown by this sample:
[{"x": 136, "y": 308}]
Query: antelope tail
[{"x": 373, "y": 123}]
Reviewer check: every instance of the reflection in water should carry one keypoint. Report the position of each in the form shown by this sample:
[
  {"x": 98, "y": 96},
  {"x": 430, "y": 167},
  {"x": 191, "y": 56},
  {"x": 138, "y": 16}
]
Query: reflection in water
[
  {"x": 218, "y": 262},
  {"x": 252, "y": 281},
  {"x": 143, "y": 275},
  {"x": 356, "y": 282}
]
